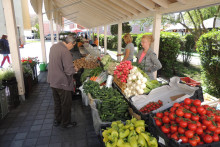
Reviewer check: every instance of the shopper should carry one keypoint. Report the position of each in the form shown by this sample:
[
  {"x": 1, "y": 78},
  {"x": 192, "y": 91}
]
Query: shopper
[
  {"x": 4, "y": 49},
  {"x": 96, "y": 42},
  {"x": 60, "y": 78},
  {"x": 129, "y": 49},
  {"x": 147, "y": 58}
]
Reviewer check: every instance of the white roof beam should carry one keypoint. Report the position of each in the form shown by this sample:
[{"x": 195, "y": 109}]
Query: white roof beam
[
  {"x": 182, "y": 1},
  {"x": 100, "y": 11},
  {"x": 106, "y": 7},
  {"x": 128, "y": 7},
  {"x": 162, "y": 3},
  {"x": 117, "y": 8},
  {"x": 136, "y": 5},
  {"x": 147, "y": 4},
  {"x": 100, "y": 8}
]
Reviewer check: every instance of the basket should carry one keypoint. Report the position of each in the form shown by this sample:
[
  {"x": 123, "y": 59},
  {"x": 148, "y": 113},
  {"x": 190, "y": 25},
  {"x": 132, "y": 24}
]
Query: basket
[
  {"x": 190, "y": 81},
  {"x": 121, "y": 85}
]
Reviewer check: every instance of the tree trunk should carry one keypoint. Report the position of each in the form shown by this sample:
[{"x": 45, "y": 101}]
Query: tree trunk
[{"x": 214, "y": 21}]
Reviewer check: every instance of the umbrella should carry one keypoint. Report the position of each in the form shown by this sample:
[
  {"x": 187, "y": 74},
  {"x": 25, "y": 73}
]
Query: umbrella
[{"x": 77, "y": 30}]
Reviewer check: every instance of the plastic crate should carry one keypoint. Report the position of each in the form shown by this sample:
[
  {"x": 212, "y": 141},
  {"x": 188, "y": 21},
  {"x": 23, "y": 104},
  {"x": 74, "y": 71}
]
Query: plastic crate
[{"x": 190, "y": 81}]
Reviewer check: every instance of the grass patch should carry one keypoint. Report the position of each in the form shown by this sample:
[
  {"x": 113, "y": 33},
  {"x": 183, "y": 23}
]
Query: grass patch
[{"x": 191, "y": 71}]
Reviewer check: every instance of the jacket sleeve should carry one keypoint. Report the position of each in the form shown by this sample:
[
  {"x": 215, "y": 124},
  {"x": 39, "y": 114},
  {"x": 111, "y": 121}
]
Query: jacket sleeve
[
  {"x": 156, "y": 63},
  {"x": 67, "y": 63}
]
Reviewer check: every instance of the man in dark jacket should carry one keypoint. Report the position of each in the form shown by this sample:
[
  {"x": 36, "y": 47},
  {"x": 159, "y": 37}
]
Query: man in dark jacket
[
  {"x": 4, "y": 47},
  {"x": 60, "y": 78}
]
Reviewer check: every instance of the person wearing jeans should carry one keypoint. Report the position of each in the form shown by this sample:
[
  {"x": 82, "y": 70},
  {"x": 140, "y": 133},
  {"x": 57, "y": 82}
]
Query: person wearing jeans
[
  {"x": 60, "y": 78},
  {"x": 4, "y": 46}
]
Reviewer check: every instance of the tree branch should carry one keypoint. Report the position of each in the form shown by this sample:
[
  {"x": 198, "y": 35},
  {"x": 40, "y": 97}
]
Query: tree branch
[
  {"x": 202, "y": 19},
  {"x": 192, "y": 20},
  {"x": 214, "y": 21}
]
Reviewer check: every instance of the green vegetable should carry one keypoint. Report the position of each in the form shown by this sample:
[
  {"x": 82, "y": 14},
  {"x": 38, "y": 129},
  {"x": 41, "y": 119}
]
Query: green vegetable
[
  {"x": 124, "y": 134},
  {"x": 133, "y": 141},
  {"x": 141, "y": 141}
]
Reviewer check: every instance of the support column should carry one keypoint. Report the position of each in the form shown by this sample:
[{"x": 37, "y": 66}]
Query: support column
[
  {"x": 51, "y": 31},
  {"x": 13, "y": 42},
  {"x": 105, "y": 39},
  {"x": 156, "y": 35},
  {"x": 98, "y": 35},
  {"x": 57, "y": 31},
  {"x": 119, "y": 40},
  {"x": 93, "y": 34},
  {"x": 41, "y": 27}
]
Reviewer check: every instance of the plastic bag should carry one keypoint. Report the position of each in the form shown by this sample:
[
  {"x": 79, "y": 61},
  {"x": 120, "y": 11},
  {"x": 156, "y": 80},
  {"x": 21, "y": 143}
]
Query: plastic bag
[{"x": 85, "y": 99}]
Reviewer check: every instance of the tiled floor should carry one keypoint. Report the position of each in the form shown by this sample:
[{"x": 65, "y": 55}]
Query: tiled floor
[{"x": 31, "y": 123}]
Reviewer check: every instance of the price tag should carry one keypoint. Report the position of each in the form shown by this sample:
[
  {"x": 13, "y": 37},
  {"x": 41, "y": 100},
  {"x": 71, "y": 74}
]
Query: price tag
[{"x": 161, "y": 140}]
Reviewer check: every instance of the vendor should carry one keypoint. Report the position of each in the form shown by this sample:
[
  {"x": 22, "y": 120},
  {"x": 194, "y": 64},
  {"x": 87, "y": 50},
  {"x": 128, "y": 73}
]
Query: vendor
[
  {"x": 129, "y": 49},
  {"x": 147, "y": 58}
]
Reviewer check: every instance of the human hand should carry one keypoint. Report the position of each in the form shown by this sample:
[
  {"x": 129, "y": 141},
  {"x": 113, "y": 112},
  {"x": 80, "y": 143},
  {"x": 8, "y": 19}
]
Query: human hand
[{"x": 76, "y": 69}]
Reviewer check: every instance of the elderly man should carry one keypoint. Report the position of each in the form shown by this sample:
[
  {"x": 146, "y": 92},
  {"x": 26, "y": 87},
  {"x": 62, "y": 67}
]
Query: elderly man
[{"x": 60, "y": 78}]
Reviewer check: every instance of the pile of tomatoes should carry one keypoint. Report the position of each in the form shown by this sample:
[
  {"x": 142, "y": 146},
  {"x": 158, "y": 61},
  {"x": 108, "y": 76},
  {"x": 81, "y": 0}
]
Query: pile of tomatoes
[
  {"x": 123, "y": 70},
  {"x": 191, "y": 122},
  {"x": 151, "y": 106}
]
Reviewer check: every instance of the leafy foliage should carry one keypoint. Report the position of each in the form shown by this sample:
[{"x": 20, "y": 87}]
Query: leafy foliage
[
  {"x": 208, "y": 46},
  {"x": 187, "y": 47},
  {"x": 169, "y": 50},
  {"x": 7, "y": 74},
  {"x": 126, "y": 28}
]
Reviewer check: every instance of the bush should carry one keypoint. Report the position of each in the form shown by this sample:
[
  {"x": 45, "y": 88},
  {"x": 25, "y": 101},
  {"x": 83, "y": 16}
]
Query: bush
[
  {"x": 169, "y": 50},
  {"x": 126, "y": 28},
  {"x": 188, "y": 44},
  {"x": 138, "y": 40},
  {"x": 208, "y": 47}
]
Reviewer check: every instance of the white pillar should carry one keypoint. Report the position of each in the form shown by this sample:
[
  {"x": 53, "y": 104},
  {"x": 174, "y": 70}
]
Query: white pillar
[
  {"x": 97, "y": 35},
  {"x": 156, "y": 35},
  {"x": 41, "y": 27},
  {"x": 57, "y": 31},
  {"x": 93, "y": 34},
  {"x": 51, "y": 31},
  {"x": 105, "y": 39},
  {"x": 119, "y": 40},
  {"x": 13, "y": 42}
]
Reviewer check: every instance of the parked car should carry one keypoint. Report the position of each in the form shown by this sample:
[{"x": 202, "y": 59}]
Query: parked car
[
  {"x": 48, "y": 37},
  {"x": 31, "y": 36}
]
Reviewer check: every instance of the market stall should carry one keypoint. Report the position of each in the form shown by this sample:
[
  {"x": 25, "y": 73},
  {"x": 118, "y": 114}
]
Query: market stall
[{"x": 125, "y": 102}]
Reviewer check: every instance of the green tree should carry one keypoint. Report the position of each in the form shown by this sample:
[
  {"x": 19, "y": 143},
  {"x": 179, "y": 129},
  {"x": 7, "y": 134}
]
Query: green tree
[
  {"x": 37, "y": 30},
  {"x": 126, "y": 28}
]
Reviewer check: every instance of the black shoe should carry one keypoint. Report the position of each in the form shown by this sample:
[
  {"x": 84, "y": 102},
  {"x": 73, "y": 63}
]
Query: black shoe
[
  {"x": 56, "y": 123},
  {"x": 70, "y": 125}
]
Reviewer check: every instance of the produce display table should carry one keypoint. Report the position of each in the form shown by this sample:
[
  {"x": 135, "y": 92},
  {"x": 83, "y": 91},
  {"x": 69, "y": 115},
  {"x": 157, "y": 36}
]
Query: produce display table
[{"x": 107, "y": 102}]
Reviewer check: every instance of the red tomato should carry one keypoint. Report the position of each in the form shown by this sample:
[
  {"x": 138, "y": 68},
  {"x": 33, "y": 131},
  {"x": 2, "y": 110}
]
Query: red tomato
[
  {"x": 160, "y": 115},
  {"x": 158, "y": 122},
  {"x": 215, "y": 138},
  {"x": 206, "y": 122},
  {"x": 173, "y": 129},
  {"x": 166, "y": 113},
  {"x": 199, "y": 130},
  {"x": 174, "y": 136},
  {"x": 218, "y": 124},
  {"x": 200, "y": 143},
  {"x": 172, "y": 109},
  {"x": 212, "y": 116},
  {"x": 172, "y": 116},
  {"x": 197, "y": 103},
  {"x": 217, "y": 130},
  {"x": 197, "y": 139},
  {"x": 208, "y": 112},
  {"x": 211, "y": 128},
  {"x": 198, "y": 124},
  {"x": 165, "y": 129},
  {"x": 178, "y": 119},
  {"x": 172, "y": 122},
  {"x": 186, "y": 106},
  {"x": 187, "y": 101},
  {"x": 193, "y": 109},
  {"x": 200, "y": 109},
  {"x": 179, "y": 112},
  {"x": 176, "y": 105},
  {"x": 217, "y": 118},
  {"x": 184, "y": 139},
  {"x": 187, "y": 115},
  {"x": 207, "y": 138},
  {"x": 183, "y": 124},
  {"x": 195, "y": 118},
  {"x": 193, "y": 142},
  {"x": 166, "y": 119},
  {"x": 192, "y": 126},
  {"x": 189, "y": 133},
  {"x": 181, "y": 130}
]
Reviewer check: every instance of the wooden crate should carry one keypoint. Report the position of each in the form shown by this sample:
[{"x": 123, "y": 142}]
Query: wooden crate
[
  {"x": 133, "y": 114},
  {"x": 121, "y": 85}
]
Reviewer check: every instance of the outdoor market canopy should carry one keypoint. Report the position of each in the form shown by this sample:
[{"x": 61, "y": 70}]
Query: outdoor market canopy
[{"x": 94, "y": 13}]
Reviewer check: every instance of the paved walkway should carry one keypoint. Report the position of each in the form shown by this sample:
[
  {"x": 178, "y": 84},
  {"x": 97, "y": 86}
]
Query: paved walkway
[{"x": 31, "y": 123}]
